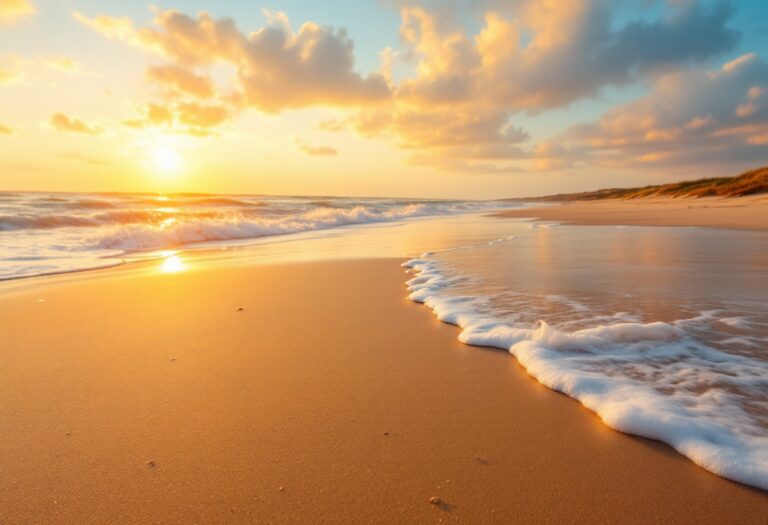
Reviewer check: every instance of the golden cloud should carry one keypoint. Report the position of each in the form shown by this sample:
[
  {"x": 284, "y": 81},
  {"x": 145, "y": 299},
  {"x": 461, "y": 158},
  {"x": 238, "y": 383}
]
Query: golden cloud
[
  {"x": 691, "y": 117},
  {"x": 456, "y": 109},
  {"x": 189, "y": 118},
  {"x": 11, "y": 11},
  {"x": 182, "y": 81},
  {"x": 276, "y": 68},
  {"x": 65, "y": 64},
  {"x": 110, "y": 27},
  {"x": 62, "y": 122},
  {"x": 527, "y": 57},
  {"x": 9, "y": 76},
  {"x": 333, "y": 125},
  {"x": 318, "y": 151}
]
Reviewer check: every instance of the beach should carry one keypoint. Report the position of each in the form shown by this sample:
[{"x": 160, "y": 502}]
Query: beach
[
  {"x": 712, "y": 212},
  {"x": 384, "y": 262},
  {"x": 279, "y": 392}
]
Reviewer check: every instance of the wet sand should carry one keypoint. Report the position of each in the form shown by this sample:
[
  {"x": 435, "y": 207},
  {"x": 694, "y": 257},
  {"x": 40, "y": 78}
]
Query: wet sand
[
  {"x": 743, "y": 212},
  {"x": 141, "y": 397}
]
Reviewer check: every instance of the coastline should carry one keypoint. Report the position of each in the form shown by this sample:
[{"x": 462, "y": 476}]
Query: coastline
[
  {"x": 749, "y": 213},
  {"x": 329, "y": 384}
]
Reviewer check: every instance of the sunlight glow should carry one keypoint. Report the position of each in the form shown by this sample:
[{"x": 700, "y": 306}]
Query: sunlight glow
[
  {"x": 166, "y": 159},
  {"x": 172, "y": 264}
]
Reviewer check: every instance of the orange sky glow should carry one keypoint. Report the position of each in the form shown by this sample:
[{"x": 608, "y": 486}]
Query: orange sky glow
[{"x": 425, "y": 99}]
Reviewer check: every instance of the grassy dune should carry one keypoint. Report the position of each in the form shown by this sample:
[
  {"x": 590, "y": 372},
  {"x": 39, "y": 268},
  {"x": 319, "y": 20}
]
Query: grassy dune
[{"x": 749, "y": 183}]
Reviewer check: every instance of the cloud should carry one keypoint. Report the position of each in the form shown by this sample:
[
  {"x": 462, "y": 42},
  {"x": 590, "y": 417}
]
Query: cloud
[
  {"x": 110, "y": 27},
  {"x": 12, "y": 11},
  {"x": 5, "y": 130},
  {"x": 10, "y": 76},
  {"x": 451, "y": 97},
  {"x": 690, "y": 118},
  {"x": 333, "y": 125},
  {"x": 319, "y": 151},
  {"x": 700, "y": 122},
  {"x": 202, "y": 116},
  {"x": 461, "y": 166},
  {"x": 64, "y": 64},
  {"x": 62, "y": 122},
  {"x": 546, "y": 54},
  {"x": 441, "y": 127},
  {"x": 190, "y": 118},
  {"x": 528, "y": 57},
  {"x": 15, "y": 73},
  {"x": 182, "y": 81},
  {"x": 276, "y": 68}
]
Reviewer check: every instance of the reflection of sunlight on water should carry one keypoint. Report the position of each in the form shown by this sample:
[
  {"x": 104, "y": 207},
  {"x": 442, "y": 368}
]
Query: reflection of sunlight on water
[
  {"x": 167, "y": 222},
  {"x": 172, "y": 263}
]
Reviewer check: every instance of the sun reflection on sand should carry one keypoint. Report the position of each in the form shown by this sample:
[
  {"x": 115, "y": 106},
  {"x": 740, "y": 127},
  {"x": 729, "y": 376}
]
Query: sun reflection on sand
[{"x": 172, "y": 263}]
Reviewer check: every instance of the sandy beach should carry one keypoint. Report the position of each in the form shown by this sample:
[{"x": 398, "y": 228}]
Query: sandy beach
[
  {"x": 135, "y": 396},
  {"x": 749, "y": 213},
  {"x": 384, "y": 262}
]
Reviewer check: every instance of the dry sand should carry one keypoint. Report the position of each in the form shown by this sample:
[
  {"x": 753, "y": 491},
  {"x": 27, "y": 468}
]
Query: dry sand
[
  {"x": 745, "y": 212},
  {"x": 135, "y": 397}
]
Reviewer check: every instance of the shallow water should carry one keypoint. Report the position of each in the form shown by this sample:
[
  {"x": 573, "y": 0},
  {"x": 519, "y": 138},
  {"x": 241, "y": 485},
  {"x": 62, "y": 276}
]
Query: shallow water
[{"x": 661, "y": 331}]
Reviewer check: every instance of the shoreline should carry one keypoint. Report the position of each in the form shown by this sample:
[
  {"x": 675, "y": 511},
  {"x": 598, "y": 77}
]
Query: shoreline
[
  {"x": 304, "y": 403},
  {"x": 750, "y": 213}
]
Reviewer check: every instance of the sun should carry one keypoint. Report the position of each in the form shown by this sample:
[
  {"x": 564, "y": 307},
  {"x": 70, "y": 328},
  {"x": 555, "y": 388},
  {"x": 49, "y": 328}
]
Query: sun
[{"x": 165, "y": 159}]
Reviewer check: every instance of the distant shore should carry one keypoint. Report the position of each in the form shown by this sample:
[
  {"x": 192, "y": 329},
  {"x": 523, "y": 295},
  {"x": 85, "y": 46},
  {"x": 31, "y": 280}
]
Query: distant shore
[{"x": 749, "y": 213}]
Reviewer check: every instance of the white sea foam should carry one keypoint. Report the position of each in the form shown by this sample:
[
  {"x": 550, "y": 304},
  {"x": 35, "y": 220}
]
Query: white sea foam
[
  {"x": 735, "y": 322},
  {"x": 650, "y": 379}
]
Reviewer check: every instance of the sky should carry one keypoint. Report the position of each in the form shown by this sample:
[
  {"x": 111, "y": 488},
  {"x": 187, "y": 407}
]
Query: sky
[{"x": 451, "y": 98}]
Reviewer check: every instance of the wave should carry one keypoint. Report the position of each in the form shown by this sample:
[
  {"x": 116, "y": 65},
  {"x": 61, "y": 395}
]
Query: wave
[
  {"x": 146, "y": 237},
  {"x": 70, "y": 203},
  {"x": 653, "y": 380},
  {"x": 93, "y": 204},
  {"x": 22, "y": 222},
  {"x": 197, "y": 201},
  {"x": 50, "y": 221},
  {"x": 224, "y": 201},
  {"x": 72, "y": 231}
]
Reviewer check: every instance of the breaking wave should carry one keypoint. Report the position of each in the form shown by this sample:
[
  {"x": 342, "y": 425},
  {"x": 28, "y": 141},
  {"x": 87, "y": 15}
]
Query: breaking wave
[
  {"x": 73, "y": 231},
  {"x": 193, "y": 230}
]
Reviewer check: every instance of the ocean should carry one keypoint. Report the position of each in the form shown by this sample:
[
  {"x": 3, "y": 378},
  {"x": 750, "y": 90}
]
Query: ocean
[{"x": 48, "y": 233}]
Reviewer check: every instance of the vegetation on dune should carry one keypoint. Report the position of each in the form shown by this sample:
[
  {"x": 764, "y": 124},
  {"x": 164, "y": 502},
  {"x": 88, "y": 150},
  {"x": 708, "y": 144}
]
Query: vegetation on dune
[{"x": 749, "y": 183}]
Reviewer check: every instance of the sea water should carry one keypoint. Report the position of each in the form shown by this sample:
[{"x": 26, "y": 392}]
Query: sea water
[
  {"x": 46, "y": 233},
  {"x": 663, "y": 332}
]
